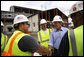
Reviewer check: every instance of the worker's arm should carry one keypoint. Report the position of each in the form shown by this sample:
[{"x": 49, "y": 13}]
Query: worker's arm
[{"x": 28, "y": 43}]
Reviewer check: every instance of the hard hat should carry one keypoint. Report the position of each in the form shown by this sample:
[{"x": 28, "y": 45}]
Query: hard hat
[
  {"x": 2, "y": 23},
  {"x": 76, "y": 7},
  {"x": 43, "y": 21},
  {"x": 57, "y": 18},
  {"x": 20, "y": 18}
]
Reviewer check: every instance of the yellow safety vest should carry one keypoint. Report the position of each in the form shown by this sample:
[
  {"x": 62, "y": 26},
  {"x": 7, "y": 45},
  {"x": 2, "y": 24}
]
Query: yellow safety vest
[
  {"x": 44, "y": 40},
  {"x": 78, "y": 35},
  {"x": 4, "y": 41},
  {"x": 12, "y": 48}
]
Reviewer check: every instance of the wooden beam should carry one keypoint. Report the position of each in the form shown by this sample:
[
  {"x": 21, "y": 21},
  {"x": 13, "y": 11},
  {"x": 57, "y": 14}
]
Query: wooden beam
[
  {"x": 56, "y": 12},
  {"x": 42, "y": 14},
  {"x": 46, "y": 15},
  {"x": 39, "y": 21},
  {"x": 49, "y": 15},
  {"x": 29, "y": 10}
]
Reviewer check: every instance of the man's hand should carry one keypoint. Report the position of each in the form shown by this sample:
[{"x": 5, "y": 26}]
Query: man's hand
[
  {"x": 50, "y": 54},
  {"x": 51, "y": 50}
]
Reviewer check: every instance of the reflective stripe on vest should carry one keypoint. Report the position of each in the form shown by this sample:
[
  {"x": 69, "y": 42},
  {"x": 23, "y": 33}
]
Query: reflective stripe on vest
[
  {"x": 41, "y": 37},
  {"x": 10, "y": 47},
  {"x": 12, "y": 41},
  {"x": 9, "y": 53},
  {"x": 49, "y": 31},
  {"x": 73, "y": 42},
  {"x": 4, "y": 42}
]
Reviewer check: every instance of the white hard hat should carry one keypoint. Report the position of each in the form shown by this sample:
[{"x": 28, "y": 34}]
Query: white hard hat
[
  {"x": 57, "y": 18},
  {"x": 43, "y": 21},
  {"x": 20, "y": 18},
  {"x": 2, "y": 23},
  {"x": 76, "y": 7}
]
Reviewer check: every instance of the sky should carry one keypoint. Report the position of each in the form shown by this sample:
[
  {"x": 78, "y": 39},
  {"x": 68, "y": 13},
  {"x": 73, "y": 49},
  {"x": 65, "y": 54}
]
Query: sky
[{"x": 64, "y": 6}]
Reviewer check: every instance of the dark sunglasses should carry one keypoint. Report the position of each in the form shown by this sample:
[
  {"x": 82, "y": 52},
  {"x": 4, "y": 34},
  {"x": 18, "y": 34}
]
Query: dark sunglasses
[{"x": 28, "y": 23}]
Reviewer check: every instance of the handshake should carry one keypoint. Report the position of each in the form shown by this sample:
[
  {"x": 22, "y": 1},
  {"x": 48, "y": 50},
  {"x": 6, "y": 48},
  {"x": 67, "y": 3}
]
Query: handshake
[{"x": 43, "y": 50}]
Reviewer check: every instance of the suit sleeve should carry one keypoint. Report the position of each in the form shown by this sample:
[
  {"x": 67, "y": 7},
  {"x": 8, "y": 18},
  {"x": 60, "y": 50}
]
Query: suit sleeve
[{"x": 64, "y": 45}]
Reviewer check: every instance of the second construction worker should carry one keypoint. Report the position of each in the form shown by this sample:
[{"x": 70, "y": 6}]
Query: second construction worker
[
  {"x": 20, "y": 43},
  {"x": 44, "y": 34},
  {"x": 4, "y": 38},
  {"x": 72, "y": 42}
]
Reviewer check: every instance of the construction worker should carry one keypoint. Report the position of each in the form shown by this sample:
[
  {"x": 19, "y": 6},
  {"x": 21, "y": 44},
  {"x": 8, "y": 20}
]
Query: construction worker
[
  {"x": 72, "y": 42},
  {"x": 4, "y": 38},
  {"x": 20, "y": 43},
  {"x": 56, "y": 36},
  {"x": 44, "y": 34}
]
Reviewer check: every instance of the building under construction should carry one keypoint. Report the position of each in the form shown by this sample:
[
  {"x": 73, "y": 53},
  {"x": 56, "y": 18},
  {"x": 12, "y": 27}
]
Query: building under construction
[{"x": 32, "y": 14}]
